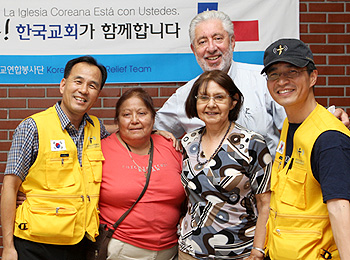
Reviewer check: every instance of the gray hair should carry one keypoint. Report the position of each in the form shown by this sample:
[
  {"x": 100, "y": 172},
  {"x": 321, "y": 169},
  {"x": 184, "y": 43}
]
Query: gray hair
[{"x": 211, "y": 15}]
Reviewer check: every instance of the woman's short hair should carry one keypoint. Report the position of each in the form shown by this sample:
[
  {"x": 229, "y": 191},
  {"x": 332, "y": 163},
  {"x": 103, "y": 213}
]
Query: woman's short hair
[
  {"x": 135, "y": 92},
  {"x": 222, "y": 79}
]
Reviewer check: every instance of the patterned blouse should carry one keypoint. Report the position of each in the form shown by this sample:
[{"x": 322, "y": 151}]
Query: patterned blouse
[{"x": 222, "y": 213}]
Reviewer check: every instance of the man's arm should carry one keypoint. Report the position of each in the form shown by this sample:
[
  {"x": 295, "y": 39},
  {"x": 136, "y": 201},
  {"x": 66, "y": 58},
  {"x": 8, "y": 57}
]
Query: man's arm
[
  {"x": 167, "y": 117},
  {"x": 342, "y": 116},
  {"x": 339, "y": 215},
  {"x": 106, "y": 130},
  {"x": 330, "y": 162},
  {"x": 23, "y": 153},
  {"x": 111, "y": 128},
  {"x": 10, "y": 187},
  {"x": 172, "y": 116}
]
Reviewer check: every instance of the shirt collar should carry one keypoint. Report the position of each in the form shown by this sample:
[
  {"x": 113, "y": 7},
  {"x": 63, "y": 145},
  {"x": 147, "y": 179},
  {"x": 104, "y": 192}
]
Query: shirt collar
[
  {"x": 232, "y": 72},
  {"x": 65, "y": 120}
]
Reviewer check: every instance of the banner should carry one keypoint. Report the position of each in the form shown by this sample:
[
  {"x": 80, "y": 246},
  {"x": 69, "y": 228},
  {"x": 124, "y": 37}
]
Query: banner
[{"x": 137, "y": 41}]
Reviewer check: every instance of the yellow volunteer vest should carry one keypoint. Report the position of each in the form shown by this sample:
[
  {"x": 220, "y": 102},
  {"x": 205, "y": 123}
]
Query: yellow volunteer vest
[
  {"x": 298, "y": 225},
  {"x": 62, "y": 197}
]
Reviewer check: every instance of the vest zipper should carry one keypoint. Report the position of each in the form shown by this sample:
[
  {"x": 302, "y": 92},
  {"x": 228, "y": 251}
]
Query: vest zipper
[
  {"x": 55, "y": 196},
  {"x": 55, "y": 209},
  {"x": 300, "y": 216},
  {"x": 279, "y": 231}
]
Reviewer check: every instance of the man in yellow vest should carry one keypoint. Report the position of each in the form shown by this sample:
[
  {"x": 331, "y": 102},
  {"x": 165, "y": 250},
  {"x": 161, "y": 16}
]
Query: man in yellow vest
[
  {"x": 56, "y": 161},
  {"x": 310, "y": 181}
]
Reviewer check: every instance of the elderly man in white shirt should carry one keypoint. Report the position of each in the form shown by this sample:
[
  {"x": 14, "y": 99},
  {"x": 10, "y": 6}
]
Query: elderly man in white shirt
[{"x": 213, "y": 42}]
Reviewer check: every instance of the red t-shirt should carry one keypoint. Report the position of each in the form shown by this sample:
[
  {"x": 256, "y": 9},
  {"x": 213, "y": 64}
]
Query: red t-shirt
[{"x": 152, "y": 223}]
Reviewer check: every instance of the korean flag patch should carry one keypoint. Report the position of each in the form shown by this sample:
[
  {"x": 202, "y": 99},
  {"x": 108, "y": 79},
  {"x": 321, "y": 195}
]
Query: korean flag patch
[
  {"x": 58, "y": 145},
  {"x": 280, "y": 147}
]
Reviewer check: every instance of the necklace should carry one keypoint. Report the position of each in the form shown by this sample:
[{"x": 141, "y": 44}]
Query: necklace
[
  {"x": 141, "y": 169},
  {"x": 149, "y": 150},
  {"x": 217, "y": 148}
]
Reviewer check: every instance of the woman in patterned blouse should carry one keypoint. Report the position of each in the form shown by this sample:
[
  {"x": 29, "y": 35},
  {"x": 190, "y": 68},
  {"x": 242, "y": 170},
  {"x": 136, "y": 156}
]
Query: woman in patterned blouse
[{"x": 226, "y": 174}]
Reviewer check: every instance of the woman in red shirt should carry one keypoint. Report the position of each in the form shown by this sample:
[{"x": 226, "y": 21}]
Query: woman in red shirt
[{"x": 149, "y": 231}]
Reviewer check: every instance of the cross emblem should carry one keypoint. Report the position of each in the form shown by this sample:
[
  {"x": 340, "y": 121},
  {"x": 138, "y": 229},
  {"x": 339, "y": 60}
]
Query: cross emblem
[{"x": 280, "y": 49}]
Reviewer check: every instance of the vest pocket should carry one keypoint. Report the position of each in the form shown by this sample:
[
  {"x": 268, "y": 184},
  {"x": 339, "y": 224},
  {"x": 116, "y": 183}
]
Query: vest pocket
[
  {"x": 293, "y": 192},
  {"x": 93, "y": 221},
  {"x": 294, "y": 244},
  {"x": 59, "y": 172},
  {"x": 95, "y": 158},
  {"x": 44, "y": 222}
]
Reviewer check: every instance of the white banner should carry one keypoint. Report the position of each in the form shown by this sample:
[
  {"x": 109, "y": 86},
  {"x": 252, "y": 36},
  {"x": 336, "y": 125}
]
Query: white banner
[{"x": 138, "y": 41}]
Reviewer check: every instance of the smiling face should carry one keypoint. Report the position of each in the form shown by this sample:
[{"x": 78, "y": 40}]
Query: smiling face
[
  {"x": 211, "y": 112},
  {"x": 135, "y": 121},
  {"x": 80, "y": 90},
  {"x": 294, "y": 94},
  {"x": 212, "y": 46}
]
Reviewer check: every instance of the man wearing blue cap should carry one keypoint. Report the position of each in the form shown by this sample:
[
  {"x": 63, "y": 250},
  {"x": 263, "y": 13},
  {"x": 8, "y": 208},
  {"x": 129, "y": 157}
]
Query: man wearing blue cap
[{"x": 310, "y": 181}]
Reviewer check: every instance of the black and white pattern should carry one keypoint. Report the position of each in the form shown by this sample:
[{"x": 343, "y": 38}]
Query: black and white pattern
[{"x": 221, "y": 217}]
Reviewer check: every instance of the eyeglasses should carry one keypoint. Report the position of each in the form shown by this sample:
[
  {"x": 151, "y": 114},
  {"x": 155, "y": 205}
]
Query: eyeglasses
[
  {"x": 292, "y": 74},
  {"x": 216, "y": 98}
]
